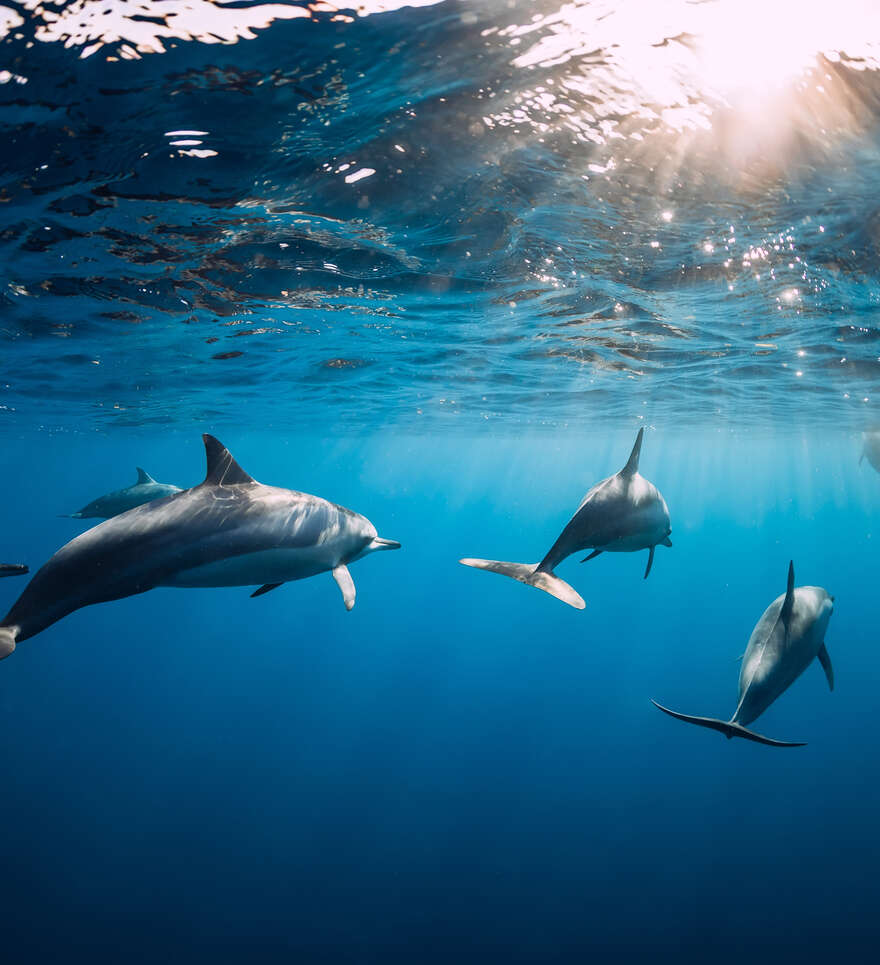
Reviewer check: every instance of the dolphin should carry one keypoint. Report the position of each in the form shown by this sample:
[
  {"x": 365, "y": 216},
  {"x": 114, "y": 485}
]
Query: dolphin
[
  {"x": 789, "y": 635},
  {"x": 621, "y": 514},
  {"x": 13, "y": 569},
  {"x": 871, "y": 448},
  {"x": 228, "y": 531},
  {"x": 121, "y": 500}
]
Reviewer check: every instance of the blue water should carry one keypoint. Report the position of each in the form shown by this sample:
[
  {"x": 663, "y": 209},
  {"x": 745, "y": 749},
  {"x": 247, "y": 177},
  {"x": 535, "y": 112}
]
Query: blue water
[{"x": 439, "y": 264}]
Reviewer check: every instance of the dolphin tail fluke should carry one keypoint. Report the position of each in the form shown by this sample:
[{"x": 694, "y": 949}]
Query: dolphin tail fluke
[
  {"x": 7, "y": 640},
  {"x": 529, "y": 574},
  {"x": 728, "y": 728}
]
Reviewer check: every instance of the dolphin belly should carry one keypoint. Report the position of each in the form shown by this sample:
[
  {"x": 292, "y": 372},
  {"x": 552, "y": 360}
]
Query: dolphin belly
[{"x": 254, "y": 569}]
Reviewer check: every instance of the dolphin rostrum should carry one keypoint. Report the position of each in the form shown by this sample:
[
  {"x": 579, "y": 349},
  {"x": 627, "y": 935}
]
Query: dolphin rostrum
[
  {"x": 228, "y": 531},
  {"x": 119, "y": 501},
  {"x": 790, "y": 633},
  {"x": 13, "y": 569},
  {"x": 871, "y": 448},
  {"x": 621, "y": 514}
]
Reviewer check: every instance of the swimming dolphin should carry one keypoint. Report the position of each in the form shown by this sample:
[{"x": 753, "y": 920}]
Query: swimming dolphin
[
  {"x": 228, "y": 531},
  {"x": 790, "y": 633},
  {"x": 621, "y": 514},
  {"x": 871, "y": 448},
  {"x": 13, "y": 569},
  {"x": 121, "y": 500}
]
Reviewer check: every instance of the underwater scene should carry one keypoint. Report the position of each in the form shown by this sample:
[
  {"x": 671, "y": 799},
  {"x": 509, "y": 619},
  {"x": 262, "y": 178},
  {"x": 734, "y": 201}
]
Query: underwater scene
[{"x": 440, "y": 457}]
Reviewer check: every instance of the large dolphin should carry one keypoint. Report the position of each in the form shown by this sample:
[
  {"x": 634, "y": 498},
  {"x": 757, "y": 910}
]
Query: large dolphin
[
  {"x": 789, "y": 635},
  {"x": 871, "y": 448},
  {"x": 228, "y": 531},
  {"x": 621, "y": 514},
  {"x": 145, "y": 490},
  {"x": 13, "y": 569}
]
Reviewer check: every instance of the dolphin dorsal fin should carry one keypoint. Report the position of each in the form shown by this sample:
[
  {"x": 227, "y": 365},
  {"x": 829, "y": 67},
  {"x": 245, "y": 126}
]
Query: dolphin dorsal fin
[
  {"x": 223, "y": 470},
  {"x": 788, "y": 602},
  {"x": 144, "y": 477},
  {"x": 632, "y": 464}
]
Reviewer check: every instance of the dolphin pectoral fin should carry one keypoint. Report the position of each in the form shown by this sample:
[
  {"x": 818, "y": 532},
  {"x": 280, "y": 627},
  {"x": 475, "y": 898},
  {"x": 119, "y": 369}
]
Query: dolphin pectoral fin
[
  {"x": 346, "y": 584},
  {"x": 728, "y": 728},
  {"x": 265, "y": 589},
  {"x": 650, "y": 563},
  {"x": 825, "y": 660},
  {"x": 592, "y": 556},
  {"x": 666, "y": 541},
  {"x": 632, "y": 464},
  {"x": 529, "y": 574}
]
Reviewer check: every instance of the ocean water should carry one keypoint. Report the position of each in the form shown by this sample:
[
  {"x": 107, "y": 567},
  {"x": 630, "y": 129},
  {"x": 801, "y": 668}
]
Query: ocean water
[{"x": 439, "y": 263}]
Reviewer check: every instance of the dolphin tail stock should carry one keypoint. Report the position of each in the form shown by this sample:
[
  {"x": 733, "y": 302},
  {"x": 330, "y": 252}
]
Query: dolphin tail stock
[
  {"x": 728, "y": 727},
  {"x": 531, "y": 575},
  {"x": 7, "y": 640}
]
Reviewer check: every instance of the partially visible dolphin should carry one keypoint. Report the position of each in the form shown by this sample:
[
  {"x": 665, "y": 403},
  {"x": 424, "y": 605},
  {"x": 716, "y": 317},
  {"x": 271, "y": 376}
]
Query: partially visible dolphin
[
  {"x": 789, "y": 635},
  {"x": 119, "y": 501},
  {"x": 871, "y": 448},
  {"x": 228, "y": 531},
  {"x": 13, "y": 569},
  {"x": 621, "y": 514}
]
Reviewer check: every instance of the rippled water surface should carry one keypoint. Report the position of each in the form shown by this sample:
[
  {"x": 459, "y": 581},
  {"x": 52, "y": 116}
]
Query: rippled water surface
[{"x": 439, "y": 213}]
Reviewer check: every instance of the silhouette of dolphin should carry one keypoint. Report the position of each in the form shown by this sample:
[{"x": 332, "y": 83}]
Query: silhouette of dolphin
[
  {"x": 13, "y": 569},
  {"x": 228, "y": 531},
  {"x": 119, "y": 501},
  {"x": 621, "y": 514},
  {"x": 789, "y": 635}
]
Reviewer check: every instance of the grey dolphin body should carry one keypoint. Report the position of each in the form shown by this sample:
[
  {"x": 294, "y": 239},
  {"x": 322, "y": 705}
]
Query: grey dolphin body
[
  {"x": 621, "y": 514},
  {"x": 228, "y": 531},
  {"x": 871, "y": 448},
  {"x": 785, "y": 641},
  {"x": 145, "y": 490}
]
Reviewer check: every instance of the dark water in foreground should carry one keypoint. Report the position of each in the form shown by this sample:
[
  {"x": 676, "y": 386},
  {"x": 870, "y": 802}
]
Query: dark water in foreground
[
  {"x": 461, "y": 768},
  {"x": 439, "y": 264}
]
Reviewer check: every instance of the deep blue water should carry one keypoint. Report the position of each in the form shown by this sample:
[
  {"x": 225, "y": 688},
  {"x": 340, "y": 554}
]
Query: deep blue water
[{"x": 439, "y": 264}]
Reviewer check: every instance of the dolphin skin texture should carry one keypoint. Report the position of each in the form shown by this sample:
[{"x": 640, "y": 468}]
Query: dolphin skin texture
[
  {"x": 621, "y": 514},
  {"x": 144, "y": 490},
  {"x": 785, "y": 641},
  {"x": 12, "y": 569},
  {"x": 228, "y": 531}
]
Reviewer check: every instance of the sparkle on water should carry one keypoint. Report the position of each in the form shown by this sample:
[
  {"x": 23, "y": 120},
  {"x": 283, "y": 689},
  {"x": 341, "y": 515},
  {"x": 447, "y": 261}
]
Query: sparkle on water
[{"x": 573, "y": 210}]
